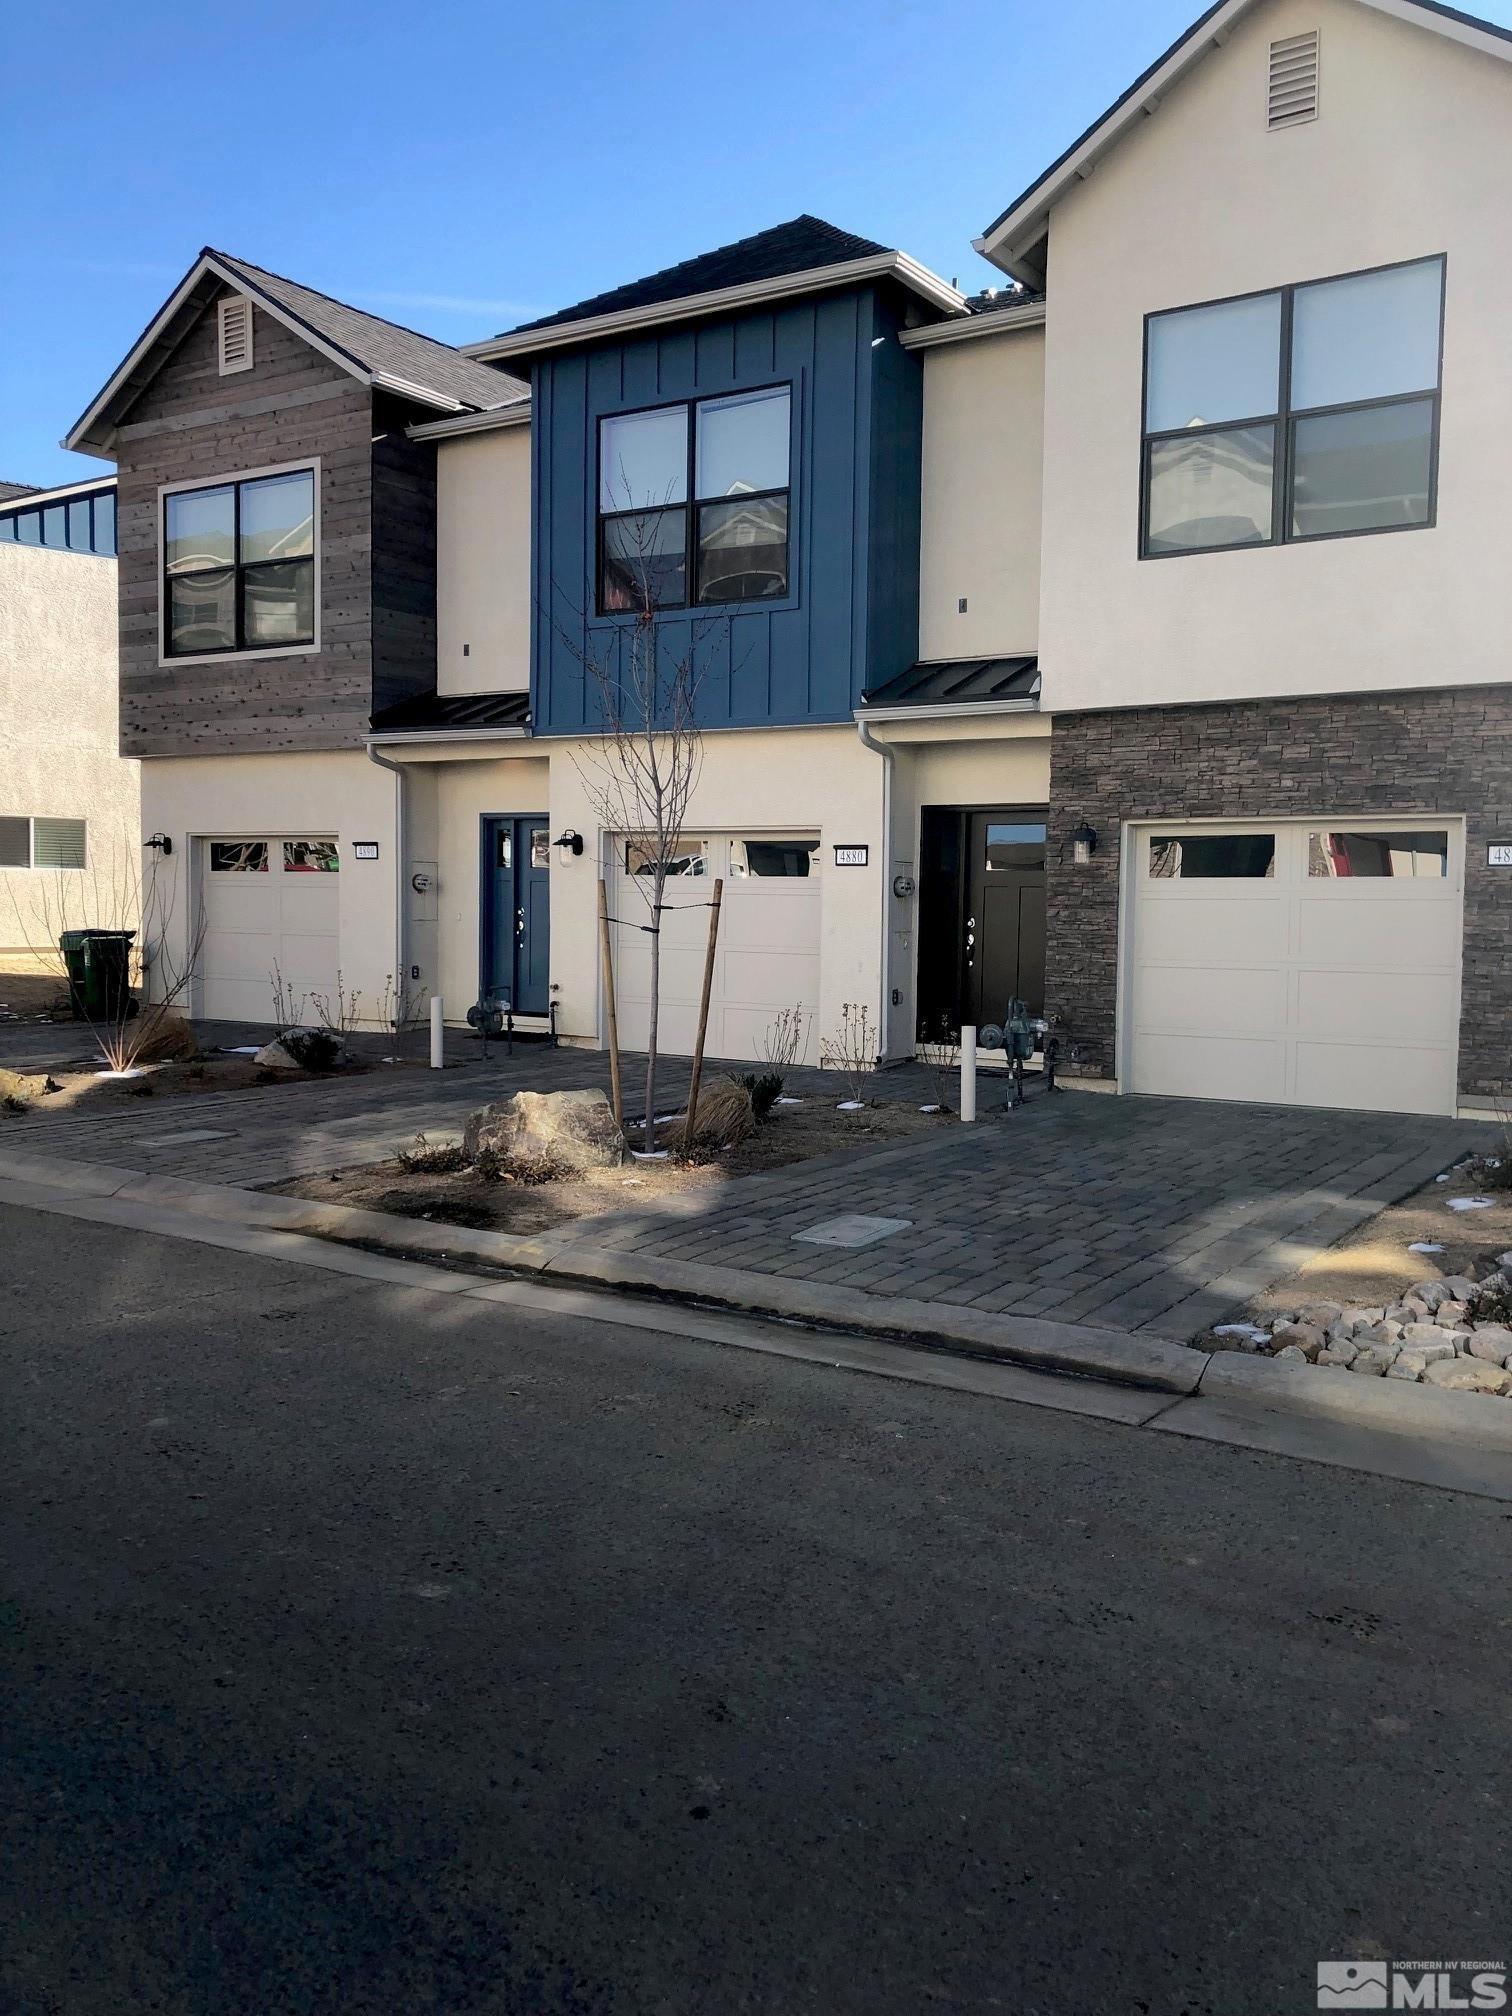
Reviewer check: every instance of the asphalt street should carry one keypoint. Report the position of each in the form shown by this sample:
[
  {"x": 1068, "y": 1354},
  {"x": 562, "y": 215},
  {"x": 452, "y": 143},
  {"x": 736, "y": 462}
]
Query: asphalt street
[{"x": 370, "y": 1649}]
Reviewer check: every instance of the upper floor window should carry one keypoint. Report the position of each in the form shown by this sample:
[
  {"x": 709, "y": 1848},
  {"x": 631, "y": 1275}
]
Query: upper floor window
[
  {"x": 239, "y": 565},
  {"x": 693, "y": 503},
  {"x": 79, "y": 524},
  {"x": 1305, "y": 413}
]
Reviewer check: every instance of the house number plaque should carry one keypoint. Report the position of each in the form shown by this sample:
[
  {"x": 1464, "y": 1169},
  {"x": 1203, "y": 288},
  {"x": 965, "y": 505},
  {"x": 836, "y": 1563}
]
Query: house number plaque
[
  {"x": 1499, "y": 854},
  {"x": 364, "y": 850},
  {"x": 852, "y": 857}
]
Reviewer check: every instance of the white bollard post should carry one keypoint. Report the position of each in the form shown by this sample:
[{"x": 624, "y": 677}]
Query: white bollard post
[
  {"x": 438, "y": 1035},
  {"x": 968, "y": 1072}
]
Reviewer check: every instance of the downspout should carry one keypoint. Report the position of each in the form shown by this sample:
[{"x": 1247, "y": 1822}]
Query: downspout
[
  {"x": 401, "y": 854},
  {"x": 889, "y": 757}
]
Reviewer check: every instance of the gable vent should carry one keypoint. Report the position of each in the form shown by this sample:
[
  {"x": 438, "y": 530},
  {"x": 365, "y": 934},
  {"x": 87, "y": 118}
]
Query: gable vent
[
  {"x": 235, "y": 334},
  {"x": 1293, "y": 81}
]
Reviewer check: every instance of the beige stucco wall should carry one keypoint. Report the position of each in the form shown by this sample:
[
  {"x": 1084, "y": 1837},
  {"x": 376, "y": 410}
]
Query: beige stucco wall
[
  {"x": 1412, "y": 155},
  {"x": 980, "y": 538},
  {"x": 58, "y": 742},
  {"x": 207, "y": 797},
  {"x": 1001, "y": 761},
  {"x": 483, "y": 562}
]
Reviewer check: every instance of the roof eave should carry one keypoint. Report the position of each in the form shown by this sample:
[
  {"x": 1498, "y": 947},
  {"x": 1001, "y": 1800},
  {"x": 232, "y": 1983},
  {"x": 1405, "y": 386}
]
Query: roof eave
[
  {"x": 751, "y": 293},
  {"x": 517, "y": 414},
  {"x": 1015, "y": 241},
  {"x": 947, "y": 710},
  {"x": 990, "y": 322}
]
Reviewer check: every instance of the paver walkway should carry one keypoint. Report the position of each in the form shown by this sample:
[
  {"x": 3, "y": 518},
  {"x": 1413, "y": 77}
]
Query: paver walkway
[{"x": 1136, "y": 1214}]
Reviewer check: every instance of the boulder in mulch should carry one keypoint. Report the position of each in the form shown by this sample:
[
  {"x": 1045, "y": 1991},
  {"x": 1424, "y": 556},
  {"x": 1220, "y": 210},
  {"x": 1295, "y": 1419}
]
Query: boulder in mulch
[{"x": 574, "y": 1130}]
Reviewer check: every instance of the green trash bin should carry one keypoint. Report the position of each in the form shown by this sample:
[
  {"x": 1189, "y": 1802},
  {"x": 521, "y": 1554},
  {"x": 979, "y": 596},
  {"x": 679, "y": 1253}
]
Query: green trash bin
[{"x": 99, "y": 974}]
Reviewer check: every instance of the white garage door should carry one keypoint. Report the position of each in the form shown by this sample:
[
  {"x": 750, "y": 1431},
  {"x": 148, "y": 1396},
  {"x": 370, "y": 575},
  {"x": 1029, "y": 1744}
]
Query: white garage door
[
  {"x": 1301, "y": 963},
  {"x": 270, "y": 907},
  {"x": 768, "y": 952}
]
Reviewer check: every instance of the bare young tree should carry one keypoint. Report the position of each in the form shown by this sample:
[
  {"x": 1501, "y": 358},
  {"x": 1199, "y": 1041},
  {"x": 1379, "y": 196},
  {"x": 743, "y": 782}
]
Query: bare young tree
[{"x": 642, "y": 767}]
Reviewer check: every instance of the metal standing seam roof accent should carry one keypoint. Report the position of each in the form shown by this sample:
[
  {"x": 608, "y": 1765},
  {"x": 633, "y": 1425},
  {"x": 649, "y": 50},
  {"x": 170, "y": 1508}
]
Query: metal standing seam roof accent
[
  {"x": 959, "y": 682},
  {"x": 798, "y": 246},
  {"x": 444, "y": 711}
]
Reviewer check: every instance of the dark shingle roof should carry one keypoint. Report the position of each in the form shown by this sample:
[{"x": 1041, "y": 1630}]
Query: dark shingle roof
[
  {"x": 795, "y": 247},
  {"x": 993, "y": 300},
  {"x": 377, "y": 345},
  {"x": 957, "y": 682},
  {"x": 446, "y": 711},
  {"x": 10, "y": 491}
]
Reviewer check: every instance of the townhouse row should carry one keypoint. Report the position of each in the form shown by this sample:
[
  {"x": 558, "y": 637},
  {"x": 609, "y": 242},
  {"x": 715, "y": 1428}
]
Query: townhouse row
[{"x": 1132, "y": 639}]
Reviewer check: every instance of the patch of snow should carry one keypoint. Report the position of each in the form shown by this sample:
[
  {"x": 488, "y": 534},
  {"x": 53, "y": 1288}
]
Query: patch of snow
[
  {"x": 242, "y": 1050},
  {"x": 1251, "y": 1330},
  {"x": 648, "y": 1154},
  {"x": 1425, "y": 1246},
  {"x": 787, "y": 1099},
  {"x": 1471, "y": 1203},
  {"x": 851, "y": 1106},
  {"x": 135, "y": 1071},
  {"x": 1441, "y": 1179},
  {"x": 929, "y": 1109}
]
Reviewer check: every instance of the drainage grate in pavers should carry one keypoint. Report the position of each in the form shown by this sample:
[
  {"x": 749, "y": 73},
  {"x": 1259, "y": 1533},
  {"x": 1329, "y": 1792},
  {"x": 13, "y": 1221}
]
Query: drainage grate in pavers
[
  {"x": 182, "y": 1140},
  {"x": 854, "y": 1228}
]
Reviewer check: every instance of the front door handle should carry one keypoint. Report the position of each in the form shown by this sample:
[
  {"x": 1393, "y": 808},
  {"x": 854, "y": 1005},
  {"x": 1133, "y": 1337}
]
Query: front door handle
[{"x": 519, "y": 923}]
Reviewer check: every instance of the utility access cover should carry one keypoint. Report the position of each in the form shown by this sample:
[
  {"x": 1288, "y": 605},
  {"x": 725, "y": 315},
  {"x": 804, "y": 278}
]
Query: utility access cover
[{"x": 853, "y": 1229}]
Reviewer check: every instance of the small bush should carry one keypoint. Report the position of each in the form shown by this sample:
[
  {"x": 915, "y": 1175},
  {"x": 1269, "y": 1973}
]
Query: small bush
[
  {"x": 726, "y": 1114},
  {"x": 1490, "y": 1172},
  {"x": 314, "y": 1049},
  {"x": 1493, "y": 1301},
  {"x": 431, "y": 1158},
  {"x": 765, "y": 1088},
  {"x": 13, "y": 1103},
  {"x": 526, "y": 1170}
]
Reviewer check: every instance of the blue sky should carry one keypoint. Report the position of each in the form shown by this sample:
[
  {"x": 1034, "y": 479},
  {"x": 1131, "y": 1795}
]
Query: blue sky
[{"x": 460, "y": 167}]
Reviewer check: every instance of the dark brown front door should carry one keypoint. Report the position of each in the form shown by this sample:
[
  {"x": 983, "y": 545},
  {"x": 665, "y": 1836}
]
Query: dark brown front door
[
  {"x": 1005, "y": 916},
  {"x": 981, "y": 915}
]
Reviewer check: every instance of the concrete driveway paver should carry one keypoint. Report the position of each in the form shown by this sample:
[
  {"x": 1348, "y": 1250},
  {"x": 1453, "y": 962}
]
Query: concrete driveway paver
[{"x": 1133, "y": 1214}]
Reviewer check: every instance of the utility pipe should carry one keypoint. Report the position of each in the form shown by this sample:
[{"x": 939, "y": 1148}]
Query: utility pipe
[
  {"x": 438, "y": 1033},
  {"x": 889, "y": 757},
  {"x": 401, "y": 903},
  {"x": 968, "y": 1072}
]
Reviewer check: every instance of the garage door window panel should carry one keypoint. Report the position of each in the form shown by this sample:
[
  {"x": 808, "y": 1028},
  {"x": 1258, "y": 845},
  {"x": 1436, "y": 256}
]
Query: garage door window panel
[
  {"x": 1397, "y": 856},
  {"x": 1213, "y": 857},
  {"x": 311, "y": 857},
  {"x": 238, "y": 857},
  {"x": 774, "y": 860},
  {"x": 689, "y": 859}
]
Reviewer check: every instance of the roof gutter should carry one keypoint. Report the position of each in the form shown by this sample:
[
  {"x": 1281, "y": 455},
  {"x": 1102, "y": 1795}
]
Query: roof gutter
[
  {"x": 399, "y": 736},
  {"x": 946, "y": 710},
  {"x": 516, "y": 414},
  {"x": 719, "y": 300},
  {"x": 989, "y": 322}
]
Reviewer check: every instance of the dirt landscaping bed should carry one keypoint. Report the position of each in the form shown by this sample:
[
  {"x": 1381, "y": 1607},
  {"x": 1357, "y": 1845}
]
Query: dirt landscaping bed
[
  {"x": 82, "y": 1084},
  {"x": 794, "y": 1133}
]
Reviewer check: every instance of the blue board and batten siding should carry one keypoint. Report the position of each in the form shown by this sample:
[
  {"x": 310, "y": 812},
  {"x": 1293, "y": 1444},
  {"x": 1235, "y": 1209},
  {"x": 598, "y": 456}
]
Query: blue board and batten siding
[{"x": 851, "y": 616}]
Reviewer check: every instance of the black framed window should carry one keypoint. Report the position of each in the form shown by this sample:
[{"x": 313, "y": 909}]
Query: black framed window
[
  {"x": 693, "y": 503},
  {"x": 1308, "y": 412},
  {"x": 239, "y": 565},
  {"x": 81, "y": 524}
]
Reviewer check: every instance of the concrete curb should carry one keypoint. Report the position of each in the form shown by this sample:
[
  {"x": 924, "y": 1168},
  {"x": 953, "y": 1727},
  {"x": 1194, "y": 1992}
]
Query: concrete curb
[{"x": 1476, "y": 1419}]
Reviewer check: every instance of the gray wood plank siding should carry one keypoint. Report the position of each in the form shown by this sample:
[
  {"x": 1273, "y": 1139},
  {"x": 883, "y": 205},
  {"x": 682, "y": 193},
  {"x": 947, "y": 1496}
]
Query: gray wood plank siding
[{"x": 294, "y": 404}]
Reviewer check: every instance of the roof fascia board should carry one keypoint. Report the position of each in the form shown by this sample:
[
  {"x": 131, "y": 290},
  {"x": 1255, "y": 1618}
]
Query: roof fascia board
[
  {"x": 514, "y": 415},
  {"x": 1451, "y": 24},
  {"x": 87, "y": 485},
  {"x": 993, "y": 322},
  {"x": 1009, "y": 242},
  {"x": 77, "y": 436},
  {"x": 813, "y": 280},
  {"x": 1012, "y": 242}
]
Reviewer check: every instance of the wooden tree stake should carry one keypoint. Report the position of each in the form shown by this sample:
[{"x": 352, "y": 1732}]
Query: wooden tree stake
[
  {"x": 703, "y": 1015},
  {"x": 614, "y": 1054}
]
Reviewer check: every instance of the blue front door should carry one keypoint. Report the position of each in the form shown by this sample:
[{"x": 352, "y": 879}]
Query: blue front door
[{"x": 517, "y": 912}]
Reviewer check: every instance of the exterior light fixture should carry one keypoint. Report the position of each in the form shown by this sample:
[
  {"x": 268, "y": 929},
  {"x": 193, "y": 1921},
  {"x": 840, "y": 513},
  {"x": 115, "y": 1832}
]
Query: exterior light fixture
[
  {"x": 161, "y": 842},
  {"x": 570, "y": 841},
  {"x": 1083, "y": 844}
]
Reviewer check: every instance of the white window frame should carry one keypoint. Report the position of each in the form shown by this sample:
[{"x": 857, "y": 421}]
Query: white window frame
[
  {"x": 30, "y": 867},
  {"x": 166, "y": 490}
]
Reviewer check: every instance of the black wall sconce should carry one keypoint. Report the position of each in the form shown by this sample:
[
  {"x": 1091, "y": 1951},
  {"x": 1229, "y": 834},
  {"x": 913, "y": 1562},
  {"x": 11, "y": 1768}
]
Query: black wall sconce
[
  {"x": 1083, "y": 844},
  {"x": 570, "y": 841},
  {"x": 162, "y": 842}
]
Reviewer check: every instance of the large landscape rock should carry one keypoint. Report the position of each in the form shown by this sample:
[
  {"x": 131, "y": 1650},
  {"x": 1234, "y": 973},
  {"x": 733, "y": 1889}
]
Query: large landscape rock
[{"x": 575, "y": 1129}]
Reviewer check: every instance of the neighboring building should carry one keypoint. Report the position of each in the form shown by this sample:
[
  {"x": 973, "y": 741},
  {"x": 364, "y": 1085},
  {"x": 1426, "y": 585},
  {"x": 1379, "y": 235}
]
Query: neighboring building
[
  {"x": 1131, "y": 640},
  {"x": 70, "y": 827}
]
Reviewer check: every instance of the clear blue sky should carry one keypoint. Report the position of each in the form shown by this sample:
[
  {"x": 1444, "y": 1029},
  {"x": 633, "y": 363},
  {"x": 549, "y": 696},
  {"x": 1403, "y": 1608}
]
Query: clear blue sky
[{"x": 460, "y": 167}]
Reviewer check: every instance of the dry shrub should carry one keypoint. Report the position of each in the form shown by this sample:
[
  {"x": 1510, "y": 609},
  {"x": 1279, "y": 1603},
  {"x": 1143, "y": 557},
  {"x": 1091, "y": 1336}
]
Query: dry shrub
[
  {"x": 431, "y": 1158},
  {"x": 525, "y": 1170},
  {"x": 166, "y": 1036},
  {"x": 765, "y": 1088},
  {"x": 725, "y": 1114}
]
